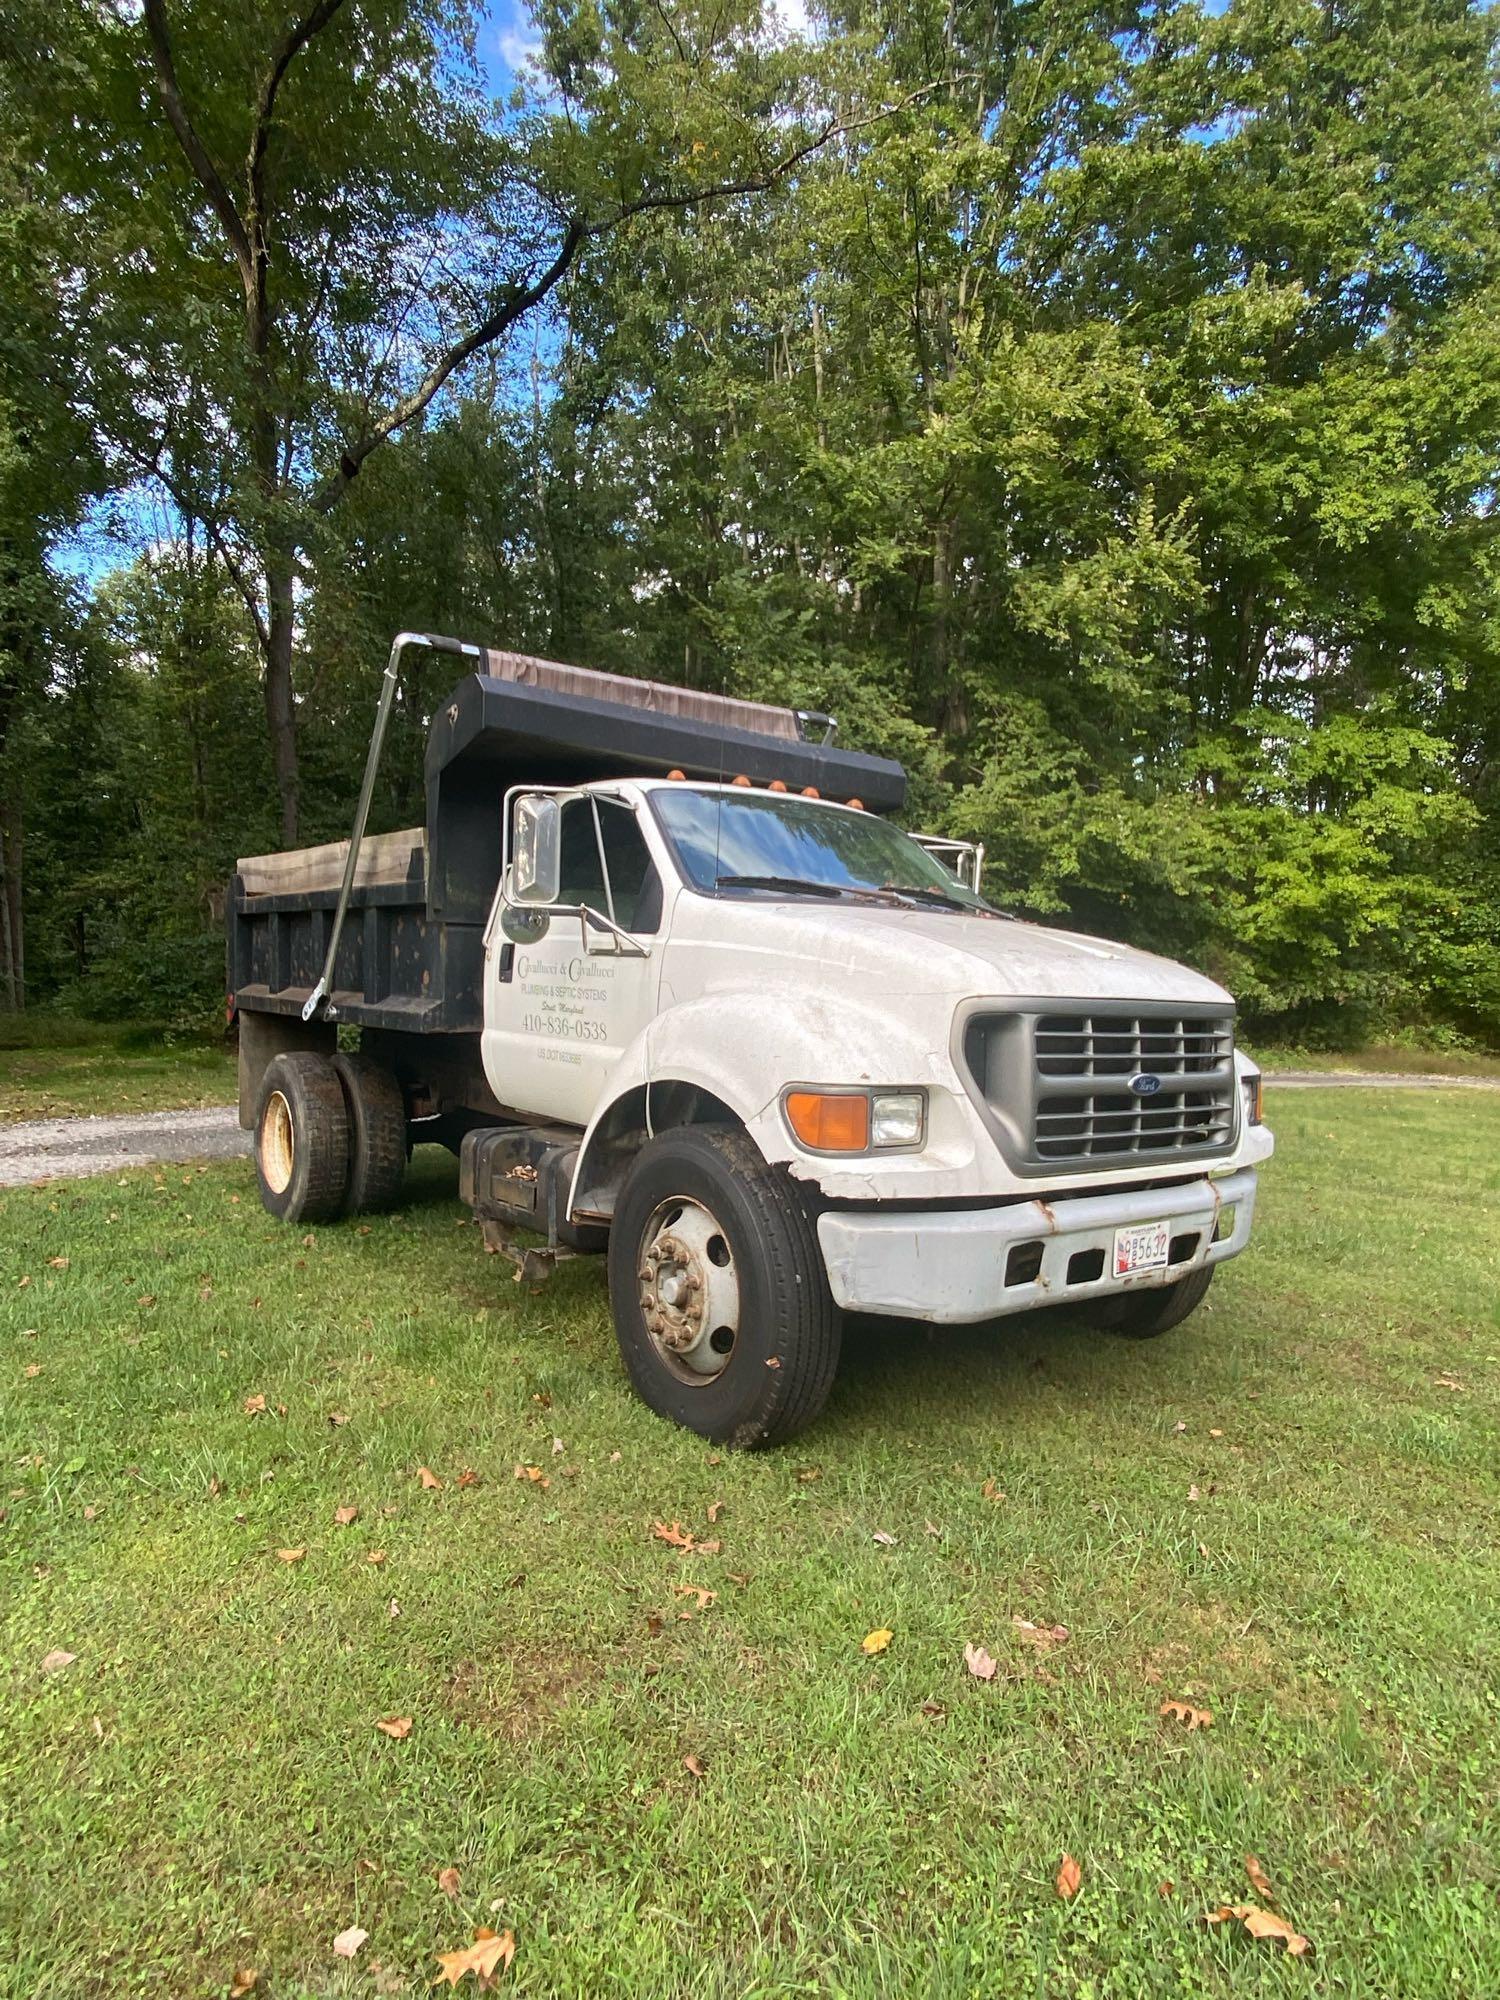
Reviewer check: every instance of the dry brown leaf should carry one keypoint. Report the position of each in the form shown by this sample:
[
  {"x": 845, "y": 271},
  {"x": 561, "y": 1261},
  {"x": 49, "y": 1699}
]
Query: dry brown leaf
[
  {"x": 876, "y": 1642},
  {"x": 1069, "y": 1878},
  {"x": 468, "y": 1477},
  {"x": 33, "y": 1369},
  {"x": 448, "y": 1881},
  {"x": 1260, "y": 1881},
  {"x": 345, "y": 1516},
  {"x": 991, "y": 1491},
  {"x": 290, "y": 1555},
  {"x": 693, "y": 1766},
  {"x": 1216, "y": 1434},
  {"x": 1192, "y": 1493},
  {"x": 56, "y": 1660},
  {"x": 715, "y": 1509},
  {"x": 428, "y": 1478},
  {"x": 675, "y": 1536},
  {"x": 393, "y": 1609},
  {"x": 1038, "y": 1635},
  {"x": 337, "y": 1417},
  {"x": 243, "y": 1982},
  {"x": 808, "y": 1473},
  {"x": 979, "y": 1663},
  {"x": 1185, "y": 1713},
  {"x": 544, "y": 1397},
  {"x": 57, "y": 1263},
  {"x": 481, "y": 1958},
  {"x": 704, "y": 1597},
  {"x": 215, "y": 1487},
  {"x": 935, "y": 1709},
  {"x": 1448, "y": 1380},
  {"x": 886, "y": 1541},
  {"x": 534, "y": 1474},
  {"x": 1164, "y": 1889},
  {"x": 375, "y": 1556},
  {"x": 398, "y": 1726},
  {"x": 348, "y": 1942},
  {"x": 1178, "y": 1429},
  {"x": 1261, "y": 1924},
  {"x": 255, "y": 1406}
]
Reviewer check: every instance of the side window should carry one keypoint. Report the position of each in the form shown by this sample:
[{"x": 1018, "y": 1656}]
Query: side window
[{"x": 633, "y": 881}]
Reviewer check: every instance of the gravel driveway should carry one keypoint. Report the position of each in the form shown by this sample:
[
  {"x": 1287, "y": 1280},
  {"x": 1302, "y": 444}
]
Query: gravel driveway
[{"x": 69, "y": 1148}]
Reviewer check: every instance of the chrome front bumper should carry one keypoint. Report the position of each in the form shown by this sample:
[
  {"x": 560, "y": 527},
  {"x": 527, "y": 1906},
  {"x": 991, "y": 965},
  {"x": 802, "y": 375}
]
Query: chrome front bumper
[{"x": 956, "y": 1265}]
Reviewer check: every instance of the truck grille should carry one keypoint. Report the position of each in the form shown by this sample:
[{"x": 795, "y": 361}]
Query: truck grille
[{"x": 1059, "y": 1086}]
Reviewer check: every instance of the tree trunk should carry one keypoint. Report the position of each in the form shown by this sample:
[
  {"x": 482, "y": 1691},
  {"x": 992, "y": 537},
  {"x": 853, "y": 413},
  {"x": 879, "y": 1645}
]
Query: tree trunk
[{"x": 281, "y": 712}]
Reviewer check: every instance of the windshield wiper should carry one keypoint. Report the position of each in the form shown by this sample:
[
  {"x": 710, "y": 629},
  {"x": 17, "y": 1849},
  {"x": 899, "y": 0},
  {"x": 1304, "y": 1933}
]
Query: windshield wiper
[
  {"x": 791, "y": 884},
  {"x": 925, "y": 894}
]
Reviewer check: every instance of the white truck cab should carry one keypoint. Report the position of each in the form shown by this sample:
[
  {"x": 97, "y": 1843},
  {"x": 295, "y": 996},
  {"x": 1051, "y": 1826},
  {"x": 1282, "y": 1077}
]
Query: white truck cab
[{"x": 785, "y": 1062}]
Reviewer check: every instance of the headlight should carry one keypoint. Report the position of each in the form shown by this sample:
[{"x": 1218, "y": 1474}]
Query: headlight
[
  {"x": 1251, "y": 1086},
  {"x": 857, "y": 1121}
]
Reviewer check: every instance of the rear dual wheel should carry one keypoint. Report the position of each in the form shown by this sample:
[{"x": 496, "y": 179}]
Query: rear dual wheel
[{"x": 330, "y": 1136}]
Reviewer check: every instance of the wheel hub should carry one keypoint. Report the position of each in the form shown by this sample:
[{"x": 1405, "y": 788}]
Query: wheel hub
[{"x": 689, "y": 1289}]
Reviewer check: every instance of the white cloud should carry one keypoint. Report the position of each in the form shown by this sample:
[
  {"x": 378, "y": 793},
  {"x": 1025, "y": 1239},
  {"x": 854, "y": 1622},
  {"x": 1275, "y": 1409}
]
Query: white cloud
[{"x": 518, "y": 40}]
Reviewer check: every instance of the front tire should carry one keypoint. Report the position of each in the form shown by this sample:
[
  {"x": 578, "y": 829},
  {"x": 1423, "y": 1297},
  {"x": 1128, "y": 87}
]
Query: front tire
[
  {"x": 1143, "y": 1315},
  {"x": 716, "y": 1282},
  {"x": 302, "y": 1139}
]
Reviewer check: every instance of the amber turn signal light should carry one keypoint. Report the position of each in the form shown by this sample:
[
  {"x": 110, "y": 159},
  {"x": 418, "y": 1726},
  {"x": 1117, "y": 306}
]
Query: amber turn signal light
[{"x": 830, "y": 1122}]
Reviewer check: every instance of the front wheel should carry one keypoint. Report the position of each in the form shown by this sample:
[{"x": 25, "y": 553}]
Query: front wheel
[
  {"x": 1143, "y": 1315},
  {"x": 720, "y": 1301}
]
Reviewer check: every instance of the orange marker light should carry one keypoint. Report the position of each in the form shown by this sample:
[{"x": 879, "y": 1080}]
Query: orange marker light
[
  {"x": 777, "y": 785},
  {"x": 857, "y": 805},
  {"x": 829, "y": 1122},
  {"x": 677, "y": 774},
  {"x": 740, "y": 780},
  {"x": 811, "y": 792}
]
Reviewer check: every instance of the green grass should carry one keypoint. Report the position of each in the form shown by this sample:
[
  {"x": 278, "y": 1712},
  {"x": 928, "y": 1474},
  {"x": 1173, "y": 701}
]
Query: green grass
[
  {"x": 1388, "y": 1058},
  {"x": 205, "y": 1787},
  {"x": 56, "y": 1069}
]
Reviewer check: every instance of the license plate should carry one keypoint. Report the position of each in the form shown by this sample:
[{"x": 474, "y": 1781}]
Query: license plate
[{"x": 1142, "y": 1246}]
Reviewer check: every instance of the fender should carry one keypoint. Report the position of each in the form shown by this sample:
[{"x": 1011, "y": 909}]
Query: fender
[{"x": 761, "y": 1043}]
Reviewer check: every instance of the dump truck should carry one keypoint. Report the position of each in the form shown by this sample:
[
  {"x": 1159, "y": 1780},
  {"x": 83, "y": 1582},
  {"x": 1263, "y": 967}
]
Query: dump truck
[{"x": 664, "y": 972}]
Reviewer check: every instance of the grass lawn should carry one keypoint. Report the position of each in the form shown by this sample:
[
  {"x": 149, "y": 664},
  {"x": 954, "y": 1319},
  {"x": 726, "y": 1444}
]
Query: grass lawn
[
  {"x": 59, "y": 1069},
  {"x": 1286, "y": 1513},
  {"x": 1381, "y": 1058}
]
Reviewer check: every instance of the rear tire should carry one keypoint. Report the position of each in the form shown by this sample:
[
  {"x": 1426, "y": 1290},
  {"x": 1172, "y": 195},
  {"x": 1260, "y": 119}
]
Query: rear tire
[
  {"x": 1143, "y": 1315},
  {"x": 716, "y": 1282},
  {"x": 301, "y": 1138},
  {"x": 377, "y": 1134}
]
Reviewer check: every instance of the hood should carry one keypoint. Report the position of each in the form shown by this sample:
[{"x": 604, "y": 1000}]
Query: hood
[{"x": 954, "y": 956}]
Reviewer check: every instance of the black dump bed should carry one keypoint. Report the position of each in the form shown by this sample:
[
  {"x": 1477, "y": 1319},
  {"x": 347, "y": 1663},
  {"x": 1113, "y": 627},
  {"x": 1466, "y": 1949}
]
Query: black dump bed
[{"x": 411, "y": 952}]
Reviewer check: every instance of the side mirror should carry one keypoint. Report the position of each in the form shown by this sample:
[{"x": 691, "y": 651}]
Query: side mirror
[{"x": 536, "y": 862}]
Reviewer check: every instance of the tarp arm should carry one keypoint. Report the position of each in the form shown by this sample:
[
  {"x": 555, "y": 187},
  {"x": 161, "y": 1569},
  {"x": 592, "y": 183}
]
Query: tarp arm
[{"x": 319, "y": 995}]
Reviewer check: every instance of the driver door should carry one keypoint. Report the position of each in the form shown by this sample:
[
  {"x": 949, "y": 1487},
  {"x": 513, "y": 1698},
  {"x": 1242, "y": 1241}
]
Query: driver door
[{"x": 563, "y": 997}]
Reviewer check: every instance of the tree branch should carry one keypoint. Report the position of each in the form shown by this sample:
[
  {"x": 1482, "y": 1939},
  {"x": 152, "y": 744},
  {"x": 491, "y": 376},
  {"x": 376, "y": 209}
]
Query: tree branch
[
  {"x": 293, "y": 43},
  {"x": 193, "y": 148},
  {"x": 152, "y": 462},
  {"x": 577, "y": 234}
]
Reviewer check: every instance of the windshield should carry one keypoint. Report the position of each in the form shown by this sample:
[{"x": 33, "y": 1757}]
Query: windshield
[{"x": 727, "y": 842}]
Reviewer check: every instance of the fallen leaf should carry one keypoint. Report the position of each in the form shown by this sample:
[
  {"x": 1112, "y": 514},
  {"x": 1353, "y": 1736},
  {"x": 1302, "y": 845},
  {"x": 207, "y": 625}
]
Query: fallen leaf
[
  {"x": 290, "y": 1555},
  {"x": 979, "y": 1663},
  {"x": 1260, "y": 1882},
  {"x": 1184, "y": 1712},
  {"x": 375, "y": 1556},
  {"x": 1261, "y": 1924},
  {"x": 398, "y": 1726},
  {"x": 1192, "y": 1493},
  {"x": 808, "y": 1473},
  {"x": 558, "y": 1447},
  {"x": 348, "y": 1942},
  {"x": 934, "y": 1709},
  {"x": 886, "y": 1541},
  {"x": 393, "y": 1609},
  {"x": 534, "y": 1474},
  {"x": 715, "y": 1509},
  {"x": 544, "y": 1397},
  {"x": 1445, "y": 1381},
  {"x": 704, "y": 1597},
  {"x": 429, "y": 1479},
  {"x": 448, "y": 1881},
  {"x": 337, "y": 1417},
  {"x": 1178, "y": 1429},
  {"x": 481, "y": 1957},
  {"x": 932, "y": 1528},
  {"x": 57, "y": 1263},
  {"x": 876, "y": 1642},
  {"x": 991, "y": 1491},
  {"x": 1216, "y": 1434},
  {"x": 678, "y": 1537},
  {"x": 243, "y": 1982},
  {"x": 1038, "y": 1635},
  {"x": 33, "y": 1369},
  {"x": 1069, "y": 1878},
  {"x": 345, "y": 1516},
  {"x": 1164, "y": 1889},
  {"x": 468, "y": 1477},
  {"x": 56, "y": 1660},
  {"x": 215, "y": 1487},
  {"x": 255, "y": 1406},
  {"x": 693, "y": 1766}
]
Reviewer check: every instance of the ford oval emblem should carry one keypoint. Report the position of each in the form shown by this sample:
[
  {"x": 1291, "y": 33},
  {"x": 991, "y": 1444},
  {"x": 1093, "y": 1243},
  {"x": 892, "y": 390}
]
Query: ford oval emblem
[{"x": 1146, "y": 1084}]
